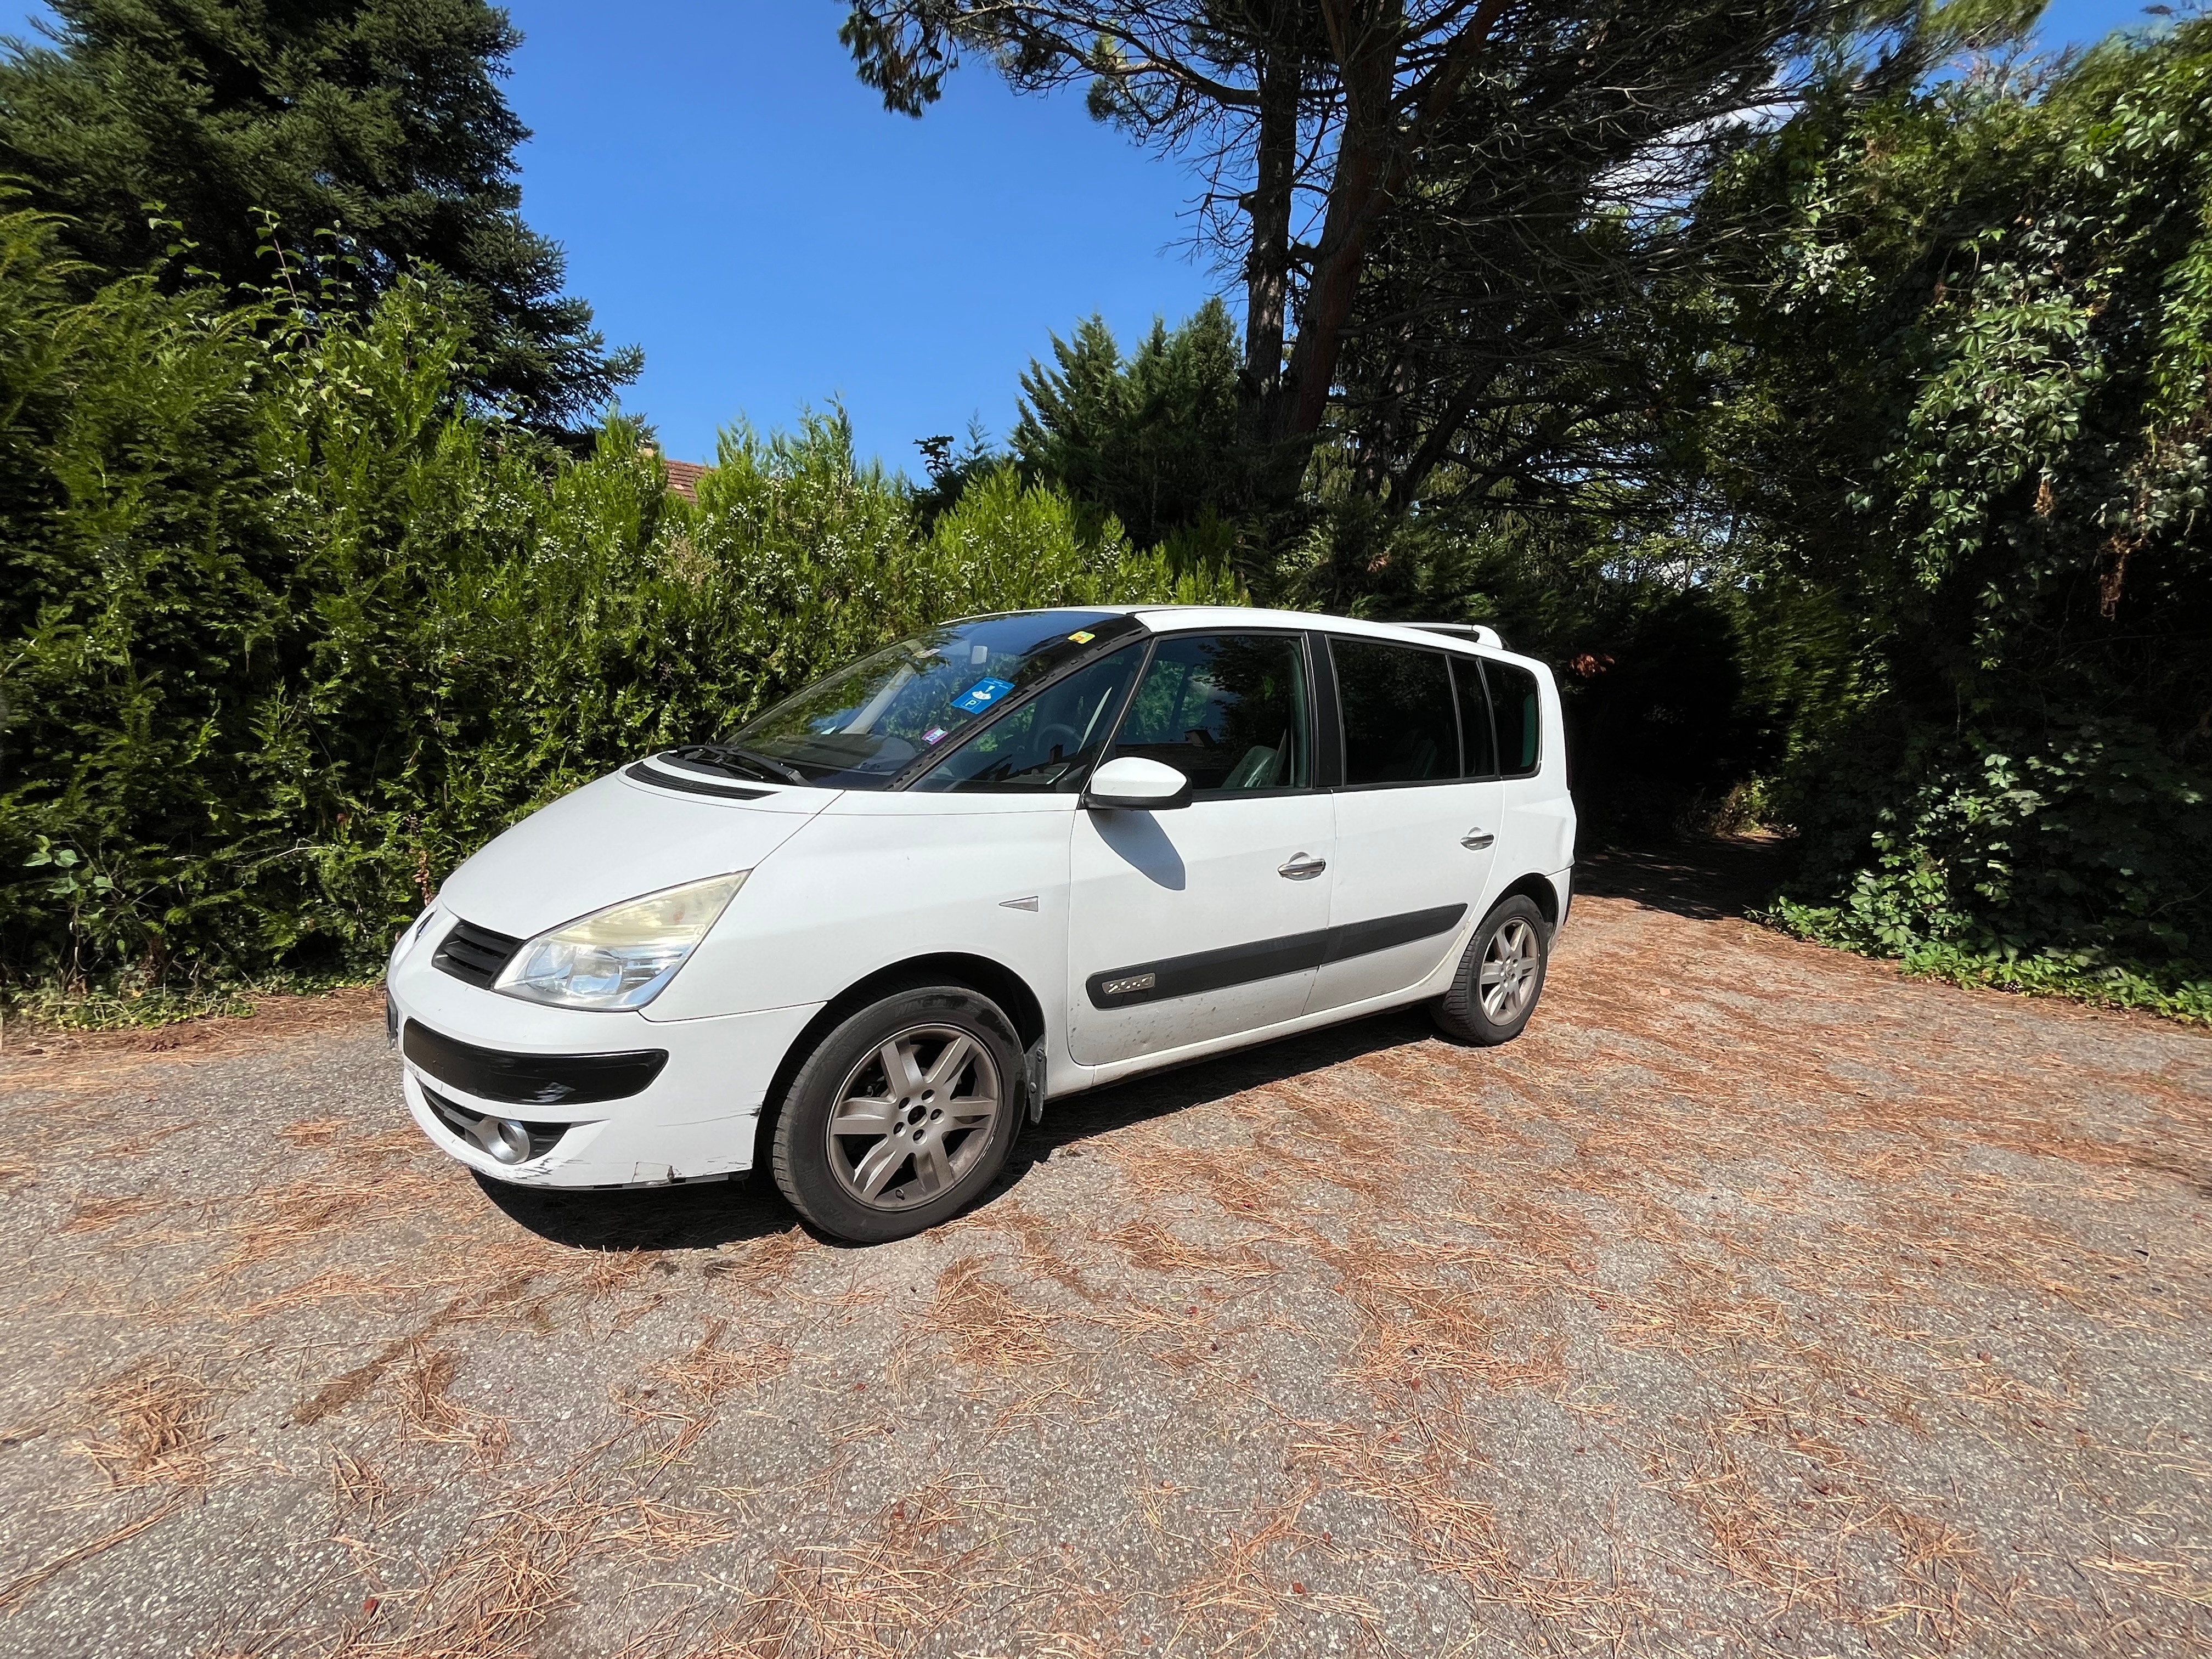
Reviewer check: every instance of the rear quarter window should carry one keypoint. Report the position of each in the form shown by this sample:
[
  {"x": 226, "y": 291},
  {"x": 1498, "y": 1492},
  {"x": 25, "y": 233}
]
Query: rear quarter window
[{"x": 1518, "y": 716}]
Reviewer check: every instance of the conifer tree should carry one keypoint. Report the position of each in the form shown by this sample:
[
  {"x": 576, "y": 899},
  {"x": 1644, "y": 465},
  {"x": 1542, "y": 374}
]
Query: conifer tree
[
  {"x": 1153, "y": 439},
  {"x": 381, "y": 119}
]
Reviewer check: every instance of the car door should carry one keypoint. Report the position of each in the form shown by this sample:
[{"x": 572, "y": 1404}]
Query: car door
[
  {"x": 1205, "y": 920},
  {"x": 1417, "y": 816}
]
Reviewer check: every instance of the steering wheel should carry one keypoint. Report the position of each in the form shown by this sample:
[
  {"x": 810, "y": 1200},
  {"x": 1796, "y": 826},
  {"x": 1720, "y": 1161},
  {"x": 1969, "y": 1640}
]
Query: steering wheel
[{"x": 1059, "y": 732}]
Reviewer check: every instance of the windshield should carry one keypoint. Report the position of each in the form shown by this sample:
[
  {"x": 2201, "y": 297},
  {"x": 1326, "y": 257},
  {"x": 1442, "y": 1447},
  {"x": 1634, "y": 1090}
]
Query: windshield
[{"x": 863, "y": 726}]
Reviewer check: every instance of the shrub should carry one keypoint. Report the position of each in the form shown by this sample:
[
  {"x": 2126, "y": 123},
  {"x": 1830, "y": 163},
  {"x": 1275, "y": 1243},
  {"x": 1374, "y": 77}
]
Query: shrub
[{"x": 289, "y": 627}]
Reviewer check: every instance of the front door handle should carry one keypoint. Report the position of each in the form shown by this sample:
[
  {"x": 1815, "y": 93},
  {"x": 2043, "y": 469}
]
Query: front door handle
[
  {"x": 1302, "y": 867},
  {"x": 1476, "y": 840}
]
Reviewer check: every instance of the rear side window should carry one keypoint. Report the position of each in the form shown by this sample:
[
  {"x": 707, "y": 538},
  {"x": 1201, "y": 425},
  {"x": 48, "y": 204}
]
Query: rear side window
[
  {"x": 1519, "y": 726},
  {"x": 1479, "y": 741},
  {"x": 1228, "y": 711},
  {"x": 1049, "y": 742},
  {"x": 1399, "y": 723}
]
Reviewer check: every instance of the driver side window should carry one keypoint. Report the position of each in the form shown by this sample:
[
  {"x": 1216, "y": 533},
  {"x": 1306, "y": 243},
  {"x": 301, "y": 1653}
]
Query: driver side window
[{"x": 1226, "y": 710}]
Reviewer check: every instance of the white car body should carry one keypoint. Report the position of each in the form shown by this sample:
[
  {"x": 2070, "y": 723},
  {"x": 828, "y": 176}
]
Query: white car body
[{"x": 1031, "y": 898}]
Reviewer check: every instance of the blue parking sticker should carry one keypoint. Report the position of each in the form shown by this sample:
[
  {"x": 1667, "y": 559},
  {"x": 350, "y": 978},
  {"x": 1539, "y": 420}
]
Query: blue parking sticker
[{"x": 981, "y": 694}]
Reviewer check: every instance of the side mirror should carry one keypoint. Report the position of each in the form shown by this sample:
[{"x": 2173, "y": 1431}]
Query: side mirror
[{"x": 1137, "y": 784}]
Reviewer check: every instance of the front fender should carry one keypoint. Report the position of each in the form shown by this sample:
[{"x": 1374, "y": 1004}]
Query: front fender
[{"x": 875, "y": 880}]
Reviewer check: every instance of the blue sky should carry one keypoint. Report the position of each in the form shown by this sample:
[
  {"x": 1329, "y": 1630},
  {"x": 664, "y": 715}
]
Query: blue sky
[{"x": 734, "y": 201}]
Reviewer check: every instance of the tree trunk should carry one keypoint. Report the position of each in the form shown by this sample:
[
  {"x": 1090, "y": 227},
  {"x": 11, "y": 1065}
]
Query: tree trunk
[
  {"x": 1374, "y": 155},
  {"x": 1267, "y": 267},
  {"x": 1365, "y": 39}
]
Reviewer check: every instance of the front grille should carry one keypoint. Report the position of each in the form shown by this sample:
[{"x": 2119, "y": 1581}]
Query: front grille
[
  {"x": 475, "y": 954},
  {"x": 474, "y": 1126}
]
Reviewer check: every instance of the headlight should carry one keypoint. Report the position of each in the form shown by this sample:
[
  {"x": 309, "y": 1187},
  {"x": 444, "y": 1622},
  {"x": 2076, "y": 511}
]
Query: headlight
[
  {"x": 410, "y": 934},
  {"x": 621, "y": 956}
]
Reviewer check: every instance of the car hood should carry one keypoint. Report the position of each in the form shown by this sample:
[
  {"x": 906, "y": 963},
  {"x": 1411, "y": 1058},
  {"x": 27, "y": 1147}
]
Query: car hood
[{"x": 614, "y": 839}]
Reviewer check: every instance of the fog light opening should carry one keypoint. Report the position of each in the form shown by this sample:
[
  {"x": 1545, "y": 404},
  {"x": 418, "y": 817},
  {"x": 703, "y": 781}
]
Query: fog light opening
[{"x": 506, "y": 1139}]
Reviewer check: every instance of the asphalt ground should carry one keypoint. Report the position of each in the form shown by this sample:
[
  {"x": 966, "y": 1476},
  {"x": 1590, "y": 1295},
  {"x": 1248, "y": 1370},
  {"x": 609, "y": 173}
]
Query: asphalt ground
[{"x": 1755, "y": 1301}]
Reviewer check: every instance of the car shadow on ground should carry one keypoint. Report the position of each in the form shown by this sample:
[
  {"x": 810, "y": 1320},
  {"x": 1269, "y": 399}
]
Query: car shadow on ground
[
  {"x": 1078, "y": 1118},
  {"x": 1705, "y": 880},
  {"x": 706, "y": 1215},
  {"x": 699, "y": 1216}
]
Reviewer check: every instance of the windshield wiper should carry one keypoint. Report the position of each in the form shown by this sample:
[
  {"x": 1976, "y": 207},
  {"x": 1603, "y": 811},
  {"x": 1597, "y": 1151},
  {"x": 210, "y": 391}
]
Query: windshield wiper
[
  {"x": 767, "y": 768},
  {"x": 727, "y": 756}
]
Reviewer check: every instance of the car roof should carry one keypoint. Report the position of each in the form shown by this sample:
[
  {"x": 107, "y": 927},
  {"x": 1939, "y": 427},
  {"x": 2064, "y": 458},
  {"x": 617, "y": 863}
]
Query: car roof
[
  {"x": 1189, "y": 618},
  {"x": 1184, "y": 618}
]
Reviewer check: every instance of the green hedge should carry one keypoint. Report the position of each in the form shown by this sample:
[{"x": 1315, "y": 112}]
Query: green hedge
[
  {"x": 1972, "y": 349},
  {"x": 287, "y": 629}
]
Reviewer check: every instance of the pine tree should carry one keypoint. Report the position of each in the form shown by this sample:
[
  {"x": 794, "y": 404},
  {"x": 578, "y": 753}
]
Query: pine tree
[
  {"x": 382, "y": 119},
  {"x": 1152, "y": 439}
]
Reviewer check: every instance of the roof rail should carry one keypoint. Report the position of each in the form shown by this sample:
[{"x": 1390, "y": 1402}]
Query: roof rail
[{"x": 1475, "y": 631}]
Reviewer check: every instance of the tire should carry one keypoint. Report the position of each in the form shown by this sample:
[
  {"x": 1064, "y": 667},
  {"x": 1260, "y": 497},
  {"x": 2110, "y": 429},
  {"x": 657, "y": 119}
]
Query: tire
[
  {"x": 1513, "y": 946},
  {"x": 939, "y": 1139}
]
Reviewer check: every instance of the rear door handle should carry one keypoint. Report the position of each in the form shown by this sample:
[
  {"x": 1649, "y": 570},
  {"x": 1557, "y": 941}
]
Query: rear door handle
[
  {"x": 1476, "y": 840},
  {"x": 1302, "y": 867}
]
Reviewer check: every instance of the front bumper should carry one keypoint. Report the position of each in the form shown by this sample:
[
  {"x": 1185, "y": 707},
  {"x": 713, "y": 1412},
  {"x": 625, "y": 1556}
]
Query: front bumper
[{"x": 694, "y": 1120}]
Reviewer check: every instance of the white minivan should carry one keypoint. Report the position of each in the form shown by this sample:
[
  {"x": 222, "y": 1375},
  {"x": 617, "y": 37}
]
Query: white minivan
[{"x": 1012, "y": 858}]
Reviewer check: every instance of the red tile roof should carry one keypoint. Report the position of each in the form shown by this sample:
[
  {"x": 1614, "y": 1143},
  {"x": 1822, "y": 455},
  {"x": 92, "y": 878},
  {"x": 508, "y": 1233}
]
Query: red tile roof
[{"x": 684, "y": 477}]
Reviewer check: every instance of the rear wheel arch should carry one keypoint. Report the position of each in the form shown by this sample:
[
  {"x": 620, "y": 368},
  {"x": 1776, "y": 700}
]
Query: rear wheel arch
[
  {"x": 1538, "y": 890},
  {"x": 1499, "y": 975}
]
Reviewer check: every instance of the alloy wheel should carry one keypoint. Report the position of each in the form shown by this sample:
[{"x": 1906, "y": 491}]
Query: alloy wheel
[
  {"x": 1508, "y": 972},
  {"x": 913, "y": 1117}
]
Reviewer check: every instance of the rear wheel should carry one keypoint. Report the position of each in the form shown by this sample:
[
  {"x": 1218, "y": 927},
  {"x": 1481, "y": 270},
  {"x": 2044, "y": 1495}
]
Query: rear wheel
[
  {"x": 1500, "y": 977},
  {"x": 902, "y": 1116}
]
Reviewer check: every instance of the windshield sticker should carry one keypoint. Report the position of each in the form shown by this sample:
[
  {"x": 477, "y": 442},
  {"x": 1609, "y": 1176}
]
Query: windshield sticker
[
  {"x": 1083, "y": 636},
  {"x": 935, "y": 734},
  {"x": 981, "y": 694}
]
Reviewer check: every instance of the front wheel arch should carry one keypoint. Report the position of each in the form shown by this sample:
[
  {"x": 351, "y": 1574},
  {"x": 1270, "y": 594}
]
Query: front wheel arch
[{"x": 994, "y": 979}]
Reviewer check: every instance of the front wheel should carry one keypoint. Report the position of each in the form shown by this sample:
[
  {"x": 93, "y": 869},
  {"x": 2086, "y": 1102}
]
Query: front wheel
[
  {"x": 1500, "y": 978},
  {"x": 902, "y": 1116}
]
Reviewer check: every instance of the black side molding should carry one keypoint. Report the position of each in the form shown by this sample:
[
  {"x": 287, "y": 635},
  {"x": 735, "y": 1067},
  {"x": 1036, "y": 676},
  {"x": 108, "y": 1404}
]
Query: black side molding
[
  {"x": 1360, "y": 938},
  {"x": 1241, "y": 964},
  {"x": 529, "y": 1079}
]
